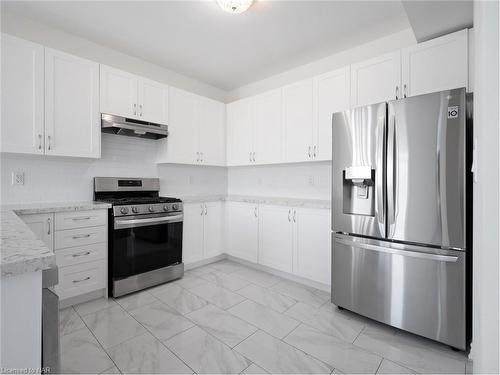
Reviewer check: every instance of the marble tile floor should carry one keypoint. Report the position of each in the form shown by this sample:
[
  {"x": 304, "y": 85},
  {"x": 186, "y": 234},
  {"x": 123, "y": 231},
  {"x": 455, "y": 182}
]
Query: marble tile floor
[{"x": 228, "y": 318}]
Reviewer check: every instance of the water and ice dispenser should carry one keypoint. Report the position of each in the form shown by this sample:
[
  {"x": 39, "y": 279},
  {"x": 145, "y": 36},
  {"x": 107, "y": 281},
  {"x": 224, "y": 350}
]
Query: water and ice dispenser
[{"x": 359, "y": 190}]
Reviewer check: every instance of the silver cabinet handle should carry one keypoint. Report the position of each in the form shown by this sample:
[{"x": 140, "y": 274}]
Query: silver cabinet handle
[
  {"x": 81, "y": 236},
  {"x": 39, "y": 141},
  {"x": 289, "y": 213},
  {"x": 314, "y": 151},
  {"x": 309, "y": 152},
  {"x": 255, "y": 211},
  {"x": 201, "y": 159},
  {"x": 50, "y": 142},
  {"x": 48, "y": 225},
  {"x": 397, "y": 92},
  {"x": 254, "y": 156},
  {"x": 250, "y": 156},
  {"x": 206, "y": 210},
  {"x": 294, "y": 216},
  {"x": 84, "y": 279},
  {"x": 404, "y": 90},
  {"x": 201, "y": 213},
  {"x": 140, "y": 110},
  {"x": 135, "y": 109},
  {"x": 81, "y": 254},
  {"x": 81, "y": 218},
  {"x": 197, "y": 157}
]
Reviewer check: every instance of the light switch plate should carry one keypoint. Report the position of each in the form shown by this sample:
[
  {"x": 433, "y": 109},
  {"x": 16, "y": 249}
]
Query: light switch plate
[
  {"x": 18, "y": 178},
  {"x": 311, "y": 180}
]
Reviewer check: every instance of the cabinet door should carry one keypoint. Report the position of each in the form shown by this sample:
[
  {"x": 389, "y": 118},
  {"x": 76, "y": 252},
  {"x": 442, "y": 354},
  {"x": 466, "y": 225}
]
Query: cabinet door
[
  {"x": 332, "y": 94},
  {"x": 436, "y": 65},
  {"x": 268, "y": 145},
  {"x": 212, "y": 132},
  {"x": 72, "y": 118},
  {"x": 22, "y": 96},
  {"x": 43, "y": 227},
  {"x": 192, "y": 233},
  {"x": 118, "y": 92},
  {"x": 298, "y": 118},
  {"x": 243, "y": 230},
  {"x": 181, "y": 145},
  {"x": 240, "y": 127},
  {"x": 212, "y": 229},
  {"x": 152, "y": 101},
  {"x": 312, "y": 250},
  {"x": 276, "y": 237},
  {"x": 376, "y": 80}
]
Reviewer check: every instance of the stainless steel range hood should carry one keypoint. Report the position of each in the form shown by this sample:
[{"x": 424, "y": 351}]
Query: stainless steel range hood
[{"x": 132, "y": 128}]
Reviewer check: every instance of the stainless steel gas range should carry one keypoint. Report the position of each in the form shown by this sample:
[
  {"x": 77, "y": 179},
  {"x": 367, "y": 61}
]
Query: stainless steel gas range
[{"x": 145, "y": 233}]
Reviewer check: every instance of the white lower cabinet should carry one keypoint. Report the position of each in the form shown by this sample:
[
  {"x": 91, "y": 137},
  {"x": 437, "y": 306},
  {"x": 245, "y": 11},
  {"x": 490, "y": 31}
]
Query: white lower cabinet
[
  {"x": 202, "y": 231},
  {"x": 243, "y": 230},
  {"x": 312, "y": 244},
  {"x": 80, "y": 242}
]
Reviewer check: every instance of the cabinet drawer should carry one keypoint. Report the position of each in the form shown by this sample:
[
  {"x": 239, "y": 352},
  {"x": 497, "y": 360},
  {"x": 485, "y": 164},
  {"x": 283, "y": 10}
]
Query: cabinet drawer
[
  {"x": 80, "y": 219},
  {"x": 81, "y": 278},
  {"x": 79, "y": 237},
  {"x": 81, "y": 254}
]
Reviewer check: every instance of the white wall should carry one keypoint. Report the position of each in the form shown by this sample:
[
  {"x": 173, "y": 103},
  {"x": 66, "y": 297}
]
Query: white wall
[
  {"x": 365, "y": 51},
  {"x": 50, "y": 37},
  {"x": 282, "y": 180},
  {"x": 485, "y": 344},
  {"x": 57, "y": 179}
]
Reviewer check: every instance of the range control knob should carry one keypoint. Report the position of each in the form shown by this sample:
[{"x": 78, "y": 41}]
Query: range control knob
[
  {"x": 175, "y": 207},
  {"x": 135, "y": 210},
  {"x": 166, "y": 207},
  {"x": 151, "y": 209},
  {"x": 124, "y": 210}
]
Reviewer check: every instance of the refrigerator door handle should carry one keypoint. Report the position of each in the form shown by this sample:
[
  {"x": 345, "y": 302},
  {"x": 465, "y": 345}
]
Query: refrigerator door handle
[
  {"x": 379, "y": 177},
  {"x": 406, "y": 253},
  {"x": 391, "y": 188}
]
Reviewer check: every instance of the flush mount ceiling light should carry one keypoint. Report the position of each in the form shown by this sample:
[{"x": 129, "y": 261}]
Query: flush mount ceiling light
[{"x": 235, "y": 6}]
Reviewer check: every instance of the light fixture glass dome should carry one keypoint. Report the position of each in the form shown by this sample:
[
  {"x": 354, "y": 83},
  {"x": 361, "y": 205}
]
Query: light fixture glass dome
[{"x": 235, "y": 6}]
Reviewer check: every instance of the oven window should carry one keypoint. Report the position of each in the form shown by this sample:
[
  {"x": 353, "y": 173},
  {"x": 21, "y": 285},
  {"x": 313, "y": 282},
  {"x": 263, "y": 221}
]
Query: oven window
[{"x": 141, "y": 249}]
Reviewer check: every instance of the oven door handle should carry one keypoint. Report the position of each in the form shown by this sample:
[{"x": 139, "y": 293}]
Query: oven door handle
[{"x": 131, "y": 223}]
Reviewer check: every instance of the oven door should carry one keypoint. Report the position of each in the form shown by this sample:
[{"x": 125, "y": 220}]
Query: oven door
[{"x": 145, "y": 243}]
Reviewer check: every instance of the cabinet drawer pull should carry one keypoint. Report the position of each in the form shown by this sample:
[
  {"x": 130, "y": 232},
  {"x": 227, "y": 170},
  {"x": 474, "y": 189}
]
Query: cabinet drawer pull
[
  {"x": 289, "y": 213},
  {"x": 81, "y": 218},
  {"x": 50, "y": 142},
  {"x": 309, "y": 152},
  {"x": 140, "y": 110},
  {"x": 81, "y": 236},
  {"x": 84, "y": 279},
  {"x": 81, "y": 254},
  {"x": 294, "y": 216},
  {"x": 49, "y": 224},
  {"x": 135, "y": 109},
  {"x": 39, "y": 141},
  {"x": 397, "y": 92},
  {"x": 404, "y": 90},
  {"x": 255, "y": 211}
]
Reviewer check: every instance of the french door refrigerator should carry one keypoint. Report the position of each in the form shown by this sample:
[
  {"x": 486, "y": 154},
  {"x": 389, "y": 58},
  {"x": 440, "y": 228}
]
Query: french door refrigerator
[{"x": 399, "y": 214}]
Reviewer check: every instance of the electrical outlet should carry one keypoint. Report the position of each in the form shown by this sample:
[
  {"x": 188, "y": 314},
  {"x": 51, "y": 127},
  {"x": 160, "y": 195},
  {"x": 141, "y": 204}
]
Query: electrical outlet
[
  {"x": 18, "y": 178},
  {"x": 311, "y": 180}
]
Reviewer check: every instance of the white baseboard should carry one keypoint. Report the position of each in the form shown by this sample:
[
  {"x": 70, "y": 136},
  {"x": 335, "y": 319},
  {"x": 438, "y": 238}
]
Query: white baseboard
[
  {"x": 204, "y": 262},
  {"x": 82, "y": 298}
]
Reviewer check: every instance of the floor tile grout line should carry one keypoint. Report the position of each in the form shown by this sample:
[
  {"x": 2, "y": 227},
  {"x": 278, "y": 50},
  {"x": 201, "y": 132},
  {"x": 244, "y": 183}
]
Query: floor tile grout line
[{"x": 380, "y": 364}]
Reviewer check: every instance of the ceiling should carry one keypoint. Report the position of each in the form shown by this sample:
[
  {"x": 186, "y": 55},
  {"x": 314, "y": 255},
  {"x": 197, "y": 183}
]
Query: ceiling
[{"x": 196, "y": 38}]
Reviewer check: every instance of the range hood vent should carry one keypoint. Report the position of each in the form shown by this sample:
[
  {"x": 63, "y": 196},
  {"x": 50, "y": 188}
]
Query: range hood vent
[{"x": 132, "y": 128}]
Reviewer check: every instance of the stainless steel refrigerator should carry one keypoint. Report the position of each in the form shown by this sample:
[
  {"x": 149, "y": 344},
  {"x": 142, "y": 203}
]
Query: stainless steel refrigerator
[{"x": 400, "y": 208}]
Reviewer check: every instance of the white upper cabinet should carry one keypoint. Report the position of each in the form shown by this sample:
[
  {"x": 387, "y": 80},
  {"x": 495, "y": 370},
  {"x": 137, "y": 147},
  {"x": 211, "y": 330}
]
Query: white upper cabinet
[
  {"x": 181, "y": 145},
  {"x": 118, "y": 92},
  {"x": 332, "y": 94},
  {"x": 22, "y": 96},
  {"x": 72, "y": 117},
  {"x": 125, "y": 94},
  {"x": 211, "y": 132},
  {"x": 268, "y": 132},
  {"x": 243, "y": 230},
  {"x": 240, "y": 127},
  {"x": 312, "y": 250},
  {"x": 376, "y": 80},
  {"x": 152, "y": 101},
  {"x": 436, "y": 65}
]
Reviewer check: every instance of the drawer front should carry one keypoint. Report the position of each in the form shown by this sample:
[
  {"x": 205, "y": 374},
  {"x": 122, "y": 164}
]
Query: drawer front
[
  {"x": 80, "y": 236},
  {"x": 81, "y": 219},
  {"x": 81, "y": 278},
  {"x": 81, "y": 254}
]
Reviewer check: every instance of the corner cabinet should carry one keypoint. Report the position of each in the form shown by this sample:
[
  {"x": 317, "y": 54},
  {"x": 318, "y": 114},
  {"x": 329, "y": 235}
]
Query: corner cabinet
[
  {"x": 196, "y": 130},
  {"x": 50, "y": 101},
  {"x": 240, "y": 132},
  {"x": 202, "y": 231}
]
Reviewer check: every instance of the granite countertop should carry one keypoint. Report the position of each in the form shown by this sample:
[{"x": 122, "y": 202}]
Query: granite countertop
[
  {"x": 20, "y": 250},
  {"x": 281, "y": 201}
]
